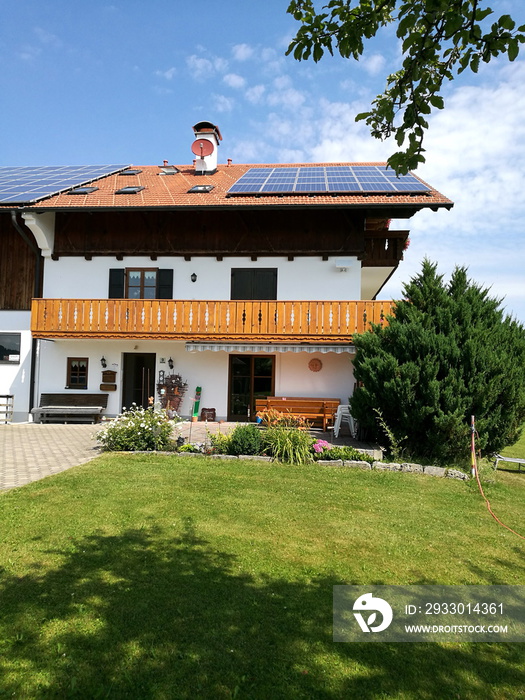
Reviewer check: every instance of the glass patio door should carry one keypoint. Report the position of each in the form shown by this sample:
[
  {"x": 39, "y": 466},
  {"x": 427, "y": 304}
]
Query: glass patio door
[{"x": 251, "y": 377}]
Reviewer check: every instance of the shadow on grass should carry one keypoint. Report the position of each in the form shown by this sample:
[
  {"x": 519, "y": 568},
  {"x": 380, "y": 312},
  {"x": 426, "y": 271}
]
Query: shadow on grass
[{"x": 143, "y": 615}]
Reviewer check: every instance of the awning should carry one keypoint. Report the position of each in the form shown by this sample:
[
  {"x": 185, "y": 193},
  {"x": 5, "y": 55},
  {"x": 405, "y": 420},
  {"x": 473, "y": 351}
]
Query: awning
[{"x": 223, "y": 347}]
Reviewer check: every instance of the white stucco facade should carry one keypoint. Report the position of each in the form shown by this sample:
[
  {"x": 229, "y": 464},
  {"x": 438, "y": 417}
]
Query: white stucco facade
[
  {"x": 15, "y": 377},
  {"x": 301, "y": 278},
  {"x": 207, "y": 369}
]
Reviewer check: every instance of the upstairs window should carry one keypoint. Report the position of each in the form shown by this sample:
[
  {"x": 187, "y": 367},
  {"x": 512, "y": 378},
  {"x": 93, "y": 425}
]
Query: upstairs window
[
  {"x": 254, "y": 283},
  {"x": 77, "y": 373},
  {"x": 140, "y": 283}
]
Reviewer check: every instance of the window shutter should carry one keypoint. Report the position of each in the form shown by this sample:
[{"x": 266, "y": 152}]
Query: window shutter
[
  {"x": 165, "y": 284},
  {"x": 265, "y": 283},
  {"x": 116, "y": 284},
  {"x": 254, "y": 283},
  {"x": 241, "y": 287}
]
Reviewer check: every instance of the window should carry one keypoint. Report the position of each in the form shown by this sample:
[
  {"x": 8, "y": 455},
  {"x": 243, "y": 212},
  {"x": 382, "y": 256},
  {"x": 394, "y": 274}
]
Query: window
[
  {"x": 77, "y": 372},
  {"x": 83, "y": 190},
  {"x": 10, "y": 348},
  {"x": 140, "y": 283},
  {"x": 254, "y": 283},
  {"x": 129, "y": 190},
  {"x": 201, "y": 188}
]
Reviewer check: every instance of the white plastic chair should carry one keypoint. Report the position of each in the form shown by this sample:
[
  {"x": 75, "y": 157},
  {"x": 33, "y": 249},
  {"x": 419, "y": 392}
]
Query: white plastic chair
[{"x": 343, "y": 415}]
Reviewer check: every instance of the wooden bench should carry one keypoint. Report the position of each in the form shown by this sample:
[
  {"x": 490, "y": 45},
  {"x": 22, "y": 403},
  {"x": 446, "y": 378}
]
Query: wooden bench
[
  {"x": 70, "y": 408},
  {"x": 317, "y": 411}
]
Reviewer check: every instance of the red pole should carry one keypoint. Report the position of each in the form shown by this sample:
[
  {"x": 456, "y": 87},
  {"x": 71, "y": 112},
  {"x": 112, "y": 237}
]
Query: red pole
[{"x": 473, "y": 445}]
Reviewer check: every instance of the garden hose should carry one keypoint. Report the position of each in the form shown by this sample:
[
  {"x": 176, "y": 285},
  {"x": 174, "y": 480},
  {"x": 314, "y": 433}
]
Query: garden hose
[{"x": 475, "y": 473}]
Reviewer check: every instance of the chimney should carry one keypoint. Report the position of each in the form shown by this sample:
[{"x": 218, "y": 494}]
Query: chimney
[{"x": 207, "y": 138}]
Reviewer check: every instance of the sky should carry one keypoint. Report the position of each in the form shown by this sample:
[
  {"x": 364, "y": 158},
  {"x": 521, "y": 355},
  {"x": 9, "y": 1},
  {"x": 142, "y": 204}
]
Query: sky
[{"x": 123, "y": 82}]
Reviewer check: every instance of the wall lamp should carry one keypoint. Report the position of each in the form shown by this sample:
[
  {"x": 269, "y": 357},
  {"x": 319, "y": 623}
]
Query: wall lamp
[
  {"x": 103, "y": 362},
  {"x": 193, "y": 277},
  {"x": 170, "y": 363}
]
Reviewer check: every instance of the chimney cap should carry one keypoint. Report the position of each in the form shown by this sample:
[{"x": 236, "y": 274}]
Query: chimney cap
[{"x": 201, "y": 127}]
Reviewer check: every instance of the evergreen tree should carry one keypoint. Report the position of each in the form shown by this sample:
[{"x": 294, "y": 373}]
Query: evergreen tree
[{"x": 447, "y": 353}]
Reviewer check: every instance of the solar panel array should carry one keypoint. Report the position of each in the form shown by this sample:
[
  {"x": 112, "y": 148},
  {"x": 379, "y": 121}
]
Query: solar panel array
[
  {"x": 26, "y": 185},
  {"x": 330, "y": 179}
]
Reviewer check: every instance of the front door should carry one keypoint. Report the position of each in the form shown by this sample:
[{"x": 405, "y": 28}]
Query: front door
[
  {"x": 138, "y": 378},
  {"x": 251, "y": 377}
]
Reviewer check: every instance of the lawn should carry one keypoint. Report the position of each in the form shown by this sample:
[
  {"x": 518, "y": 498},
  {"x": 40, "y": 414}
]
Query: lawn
[{"x": 150, "y": 576}]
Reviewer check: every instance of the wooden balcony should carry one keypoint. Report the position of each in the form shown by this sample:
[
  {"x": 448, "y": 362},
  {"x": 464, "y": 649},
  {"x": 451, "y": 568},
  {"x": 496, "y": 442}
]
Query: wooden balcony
[{"x": 191, "y": 320}]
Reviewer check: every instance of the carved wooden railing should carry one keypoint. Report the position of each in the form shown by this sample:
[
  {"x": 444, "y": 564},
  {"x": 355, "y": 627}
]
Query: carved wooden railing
[{"x": 271, "y": 321}]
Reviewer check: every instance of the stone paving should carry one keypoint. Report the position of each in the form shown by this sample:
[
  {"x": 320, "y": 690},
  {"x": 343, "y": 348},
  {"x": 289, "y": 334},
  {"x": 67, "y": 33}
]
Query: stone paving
[{"x": 32, "y": 451}]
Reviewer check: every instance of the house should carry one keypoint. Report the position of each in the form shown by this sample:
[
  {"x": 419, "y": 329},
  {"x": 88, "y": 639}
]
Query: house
[{"x": 245, "y": 280}]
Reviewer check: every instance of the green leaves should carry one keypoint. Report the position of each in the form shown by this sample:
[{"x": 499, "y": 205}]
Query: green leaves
[
  {"x": 447, "y": 353},
  {"x": 440, "y": 39}
]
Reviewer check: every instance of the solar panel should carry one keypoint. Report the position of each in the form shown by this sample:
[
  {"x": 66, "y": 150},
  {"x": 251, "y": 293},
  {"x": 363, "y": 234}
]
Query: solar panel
[
  {"x": 27, "y": 185},
  {"x": 334, "y": 179}
]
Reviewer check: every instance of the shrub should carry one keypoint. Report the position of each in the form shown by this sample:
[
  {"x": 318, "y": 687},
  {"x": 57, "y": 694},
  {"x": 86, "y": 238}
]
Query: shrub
[
  {"x": 291, "y": 445},
  {"x": 344, "y": 453},
  {"x": 137, "y": 429},
  {"x": 189, "y": 447},
  {"x": 446, "y": 354},
  {"x": 245, "y": 440},
  {"x": 219, "y": 443}
]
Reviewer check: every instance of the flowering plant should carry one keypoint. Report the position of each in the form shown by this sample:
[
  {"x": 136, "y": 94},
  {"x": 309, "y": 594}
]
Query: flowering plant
[
  {"x": 273, "y": 417},
  {"x": 321, "y": 445},
  {"x": 137, "y": 429}
]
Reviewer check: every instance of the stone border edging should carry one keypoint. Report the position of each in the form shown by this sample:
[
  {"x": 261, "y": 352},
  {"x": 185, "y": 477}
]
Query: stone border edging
[
  {"x": 407, "y": 467},
  {"x": 396, "y": 467}
]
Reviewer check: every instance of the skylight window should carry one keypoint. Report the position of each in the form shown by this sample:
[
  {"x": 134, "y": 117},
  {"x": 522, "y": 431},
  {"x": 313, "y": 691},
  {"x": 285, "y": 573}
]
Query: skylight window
[
  {"x": 169, "y": 170},
  {"x": 131, "y": 171},
  {"x": 83, "y": 190},
  {"x": 129, "y": 190},
  {"x": 201, "y": 188}
]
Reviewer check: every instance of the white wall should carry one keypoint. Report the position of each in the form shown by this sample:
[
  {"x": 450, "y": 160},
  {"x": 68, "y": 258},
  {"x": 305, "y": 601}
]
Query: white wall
[
  {"x": 206, "y": 369},
  {"x": 14, "y": 379},
  {"x": 301, "y": 278},
  {"x": 335, "y": 380}
]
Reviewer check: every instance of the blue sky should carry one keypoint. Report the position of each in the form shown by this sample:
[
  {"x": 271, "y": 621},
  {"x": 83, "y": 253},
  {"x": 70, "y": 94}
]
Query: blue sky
[{"x": 124, "y": 81}]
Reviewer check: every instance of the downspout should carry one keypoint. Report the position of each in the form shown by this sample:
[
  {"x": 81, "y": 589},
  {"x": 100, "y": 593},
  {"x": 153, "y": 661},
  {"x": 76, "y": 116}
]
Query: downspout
[{"x": 36, "y": 293}]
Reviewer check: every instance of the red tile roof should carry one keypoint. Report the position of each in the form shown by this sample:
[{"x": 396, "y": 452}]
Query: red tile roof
[{"x": 167, "y": 191}]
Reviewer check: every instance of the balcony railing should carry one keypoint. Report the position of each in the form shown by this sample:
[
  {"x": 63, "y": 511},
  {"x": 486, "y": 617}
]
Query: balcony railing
[{"x": 262, "y": 321}]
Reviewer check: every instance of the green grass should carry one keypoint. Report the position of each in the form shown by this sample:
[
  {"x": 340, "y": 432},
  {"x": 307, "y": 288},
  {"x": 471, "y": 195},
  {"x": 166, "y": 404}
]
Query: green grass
[
  {"x": 146, "y": 576},
  {"x": 516, "y": 450}
]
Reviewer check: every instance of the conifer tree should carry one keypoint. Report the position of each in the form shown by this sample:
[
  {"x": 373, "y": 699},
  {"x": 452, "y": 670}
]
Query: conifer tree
[{"x": 447, "y": 353}]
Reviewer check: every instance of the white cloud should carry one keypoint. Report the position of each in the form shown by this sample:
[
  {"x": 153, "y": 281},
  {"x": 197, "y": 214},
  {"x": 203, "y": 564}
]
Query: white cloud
[
  {"x": 199, "y": 67},
  {"x": 223, "y": 103},
  {"x": 220, "y": 64},
  {"x": 202, "y": 68},
  {"x": 242, "y": 52},
  {"x": 234, "y": 80},
  {"x": 475, "y": 155},
  {"x": 29, "y": 52},
  {"x": 47, "y": 38},
  {"x": 255, "y": 94},
  {"x": 167, "y": 74},
  {"x": 373, "y": 64}
]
